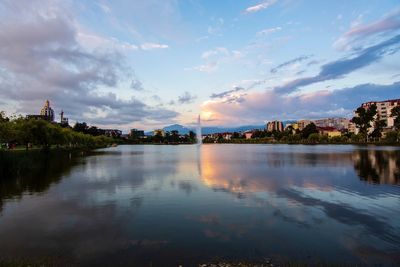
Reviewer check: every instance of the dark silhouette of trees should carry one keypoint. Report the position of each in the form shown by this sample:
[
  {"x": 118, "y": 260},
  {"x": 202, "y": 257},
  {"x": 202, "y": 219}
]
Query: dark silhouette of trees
[
  {"x": 378, "y": 128},
  {"x": 364, "y": 118},
  {"x": 80, "y": 127},
  {"x": 396, "y": 115},
  {"x": 308, "y": 130}
]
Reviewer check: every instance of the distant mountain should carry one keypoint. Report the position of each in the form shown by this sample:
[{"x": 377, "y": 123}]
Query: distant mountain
[
  {"x": 212, "y": 130},
  {"x": 177, "y": 127}
]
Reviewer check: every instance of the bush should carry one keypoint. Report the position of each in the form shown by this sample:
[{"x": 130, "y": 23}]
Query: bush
[
  {"x": 392, "y": 137},
  {"x": 313, "y": 138}
]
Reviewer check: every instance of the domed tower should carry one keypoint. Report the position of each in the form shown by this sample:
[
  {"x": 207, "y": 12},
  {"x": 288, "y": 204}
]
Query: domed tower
[{"x": 47, "y": 111}]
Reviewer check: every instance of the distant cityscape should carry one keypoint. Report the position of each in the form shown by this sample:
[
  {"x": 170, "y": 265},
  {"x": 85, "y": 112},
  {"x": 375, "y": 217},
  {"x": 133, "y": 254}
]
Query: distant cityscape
[{"x": 331, "y": 127}]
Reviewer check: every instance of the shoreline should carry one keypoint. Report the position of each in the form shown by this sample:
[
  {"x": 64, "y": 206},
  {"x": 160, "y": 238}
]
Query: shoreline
[
  {"x": 268, "y": 143},
  {"x": 87, "y": 149}
]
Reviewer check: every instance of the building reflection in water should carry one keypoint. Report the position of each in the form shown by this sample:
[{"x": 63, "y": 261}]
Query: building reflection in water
[
  {"x": 378, "y": 166},
  {"x": 270, "y": 171},
  {"x": 316, "y": 193}
]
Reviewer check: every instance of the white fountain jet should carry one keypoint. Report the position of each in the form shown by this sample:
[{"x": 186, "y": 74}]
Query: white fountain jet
[{"x": 198, "y": 131}]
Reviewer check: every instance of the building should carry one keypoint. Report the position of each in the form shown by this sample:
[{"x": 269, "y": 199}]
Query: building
[
  {"x": 352, "y": 128},
  {"x": 274, "y": 126},
  {"x": 329, "y": 131},
  {"x": 112, "y": 132},
  {"x": 227, "y": 136},
  {"x": 294, "y": 127},
  {"x": 377, "y": 166},
  {"x": 63, "y": 120},
  {"x": 248, "y": 134},
  {"x": 303, "y": 123},
  {"x": 338, "y": 123},
  {"x": 47, "y": 111},
  {"x": 136, "y": 134},
  {"x": 384, "y": 112}
]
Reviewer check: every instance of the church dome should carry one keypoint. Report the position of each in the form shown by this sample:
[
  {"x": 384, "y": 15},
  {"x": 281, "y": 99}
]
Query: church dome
[{"x": 47, "y": 111}]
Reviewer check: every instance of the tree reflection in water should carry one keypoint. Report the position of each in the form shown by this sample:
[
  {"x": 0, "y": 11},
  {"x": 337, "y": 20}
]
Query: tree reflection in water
[
  {"x": 33, "y": 172},
  {"x": 378, "y": 166}
]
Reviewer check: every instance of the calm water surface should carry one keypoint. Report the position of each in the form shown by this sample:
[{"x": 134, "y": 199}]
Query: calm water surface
[{"x": 170, "y": 205}]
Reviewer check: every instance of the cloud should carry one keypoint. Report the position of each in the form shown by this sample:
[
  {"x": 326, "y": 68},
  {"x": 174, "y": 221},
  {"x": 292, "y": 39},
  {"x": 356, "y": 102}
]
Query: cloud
[
  {"x": 42, "y": 58},
  {"x": 313, "y": 62},
  {"x": 359, "y": 32},
  {"x": 154, "y": 18},
  {"x": 217, "y": 51},
  {"x": 208, "y": 67},
  {"x": 137, "y": 85},
  {"x": 216, "y": 57},
  {"x": 339, "y": 68},
  {"x": 186, "y": 98},
  {"x": 268, "y": 31},
  {"x": 290, "y": 62},
  {"x": 344, "y": 213},
  {"x": 257, "y": 107},
  {"x": 226, "y": 93},
  {"x": 153, "y": 46},
  {"x": 216, "y": 28},
  {"x": 105, "y": 8},
  {"x": 93, "y": 42},
  {"x": 259, "y": 7}
]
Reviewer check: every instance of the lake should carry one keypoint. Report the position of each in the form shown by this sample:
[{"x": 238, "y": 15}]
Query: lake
[{"x": 170, "y": 205}]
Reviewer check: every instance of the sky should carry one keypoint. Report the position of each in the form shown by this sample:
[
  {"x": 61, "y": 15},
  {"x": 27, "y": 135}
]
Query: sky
[{"x": 150, "y": 63}]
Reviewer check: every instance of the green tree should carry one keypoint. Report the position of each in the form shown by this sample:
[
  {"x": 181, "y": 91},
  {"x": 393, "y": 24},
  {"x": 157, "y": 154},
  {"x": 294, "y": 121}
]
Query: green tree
[
  {"x": 396, "y": 115},
  {"x": 313, "y": 138},
  {"x": 5, "y": 129},
  {"x": 158, "y": 138},
  {"x": 289, "y": 131},
  {"x": 364, "y": 118},
  {"x": 24, "y": 131},
  {"x": 3, "y": 117},
  {"x": 237, "y": 135},
  {"x": 308, "y": 130},
  {"x": 192, "y": 136},
  {"x": 378, "y": 128},
  {"x": 392, "y": 137},
  {"x": 80, "y": 127}
]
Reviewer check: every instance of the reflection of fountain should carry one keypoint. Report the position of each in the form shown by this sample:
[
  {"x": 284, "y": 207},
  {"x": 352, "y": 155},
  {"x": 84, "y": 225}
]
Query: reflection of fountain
[{"x": 198, "y": 132}]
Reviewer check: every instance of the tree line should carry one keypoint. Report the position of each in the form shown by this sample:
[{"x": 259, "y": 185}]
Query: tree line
[
  {"x": 365, "y": 119},
  {"x": 369, "y": 117},
  {"x": 169, "y": 137},
  {"x": 40, "y": 133}
]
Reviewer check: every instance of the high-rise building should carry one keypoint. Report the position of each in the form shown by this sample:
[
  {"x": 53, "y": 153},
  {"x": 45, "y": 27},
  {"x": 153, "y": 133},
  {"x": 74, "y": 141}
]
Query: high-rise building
[
  {"x": 275, "y": 126},
  {"x": 383, "y": 112},
  {"x": 303, "y": 123},
  {"x": 47, "y": 112}
]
